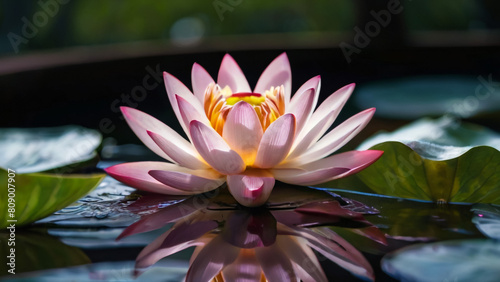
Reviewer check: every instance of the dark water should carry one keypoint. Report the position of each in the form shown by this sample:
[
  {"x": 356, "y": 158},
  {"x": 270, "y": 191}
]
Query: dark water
[{"x": 79, "y": 242}]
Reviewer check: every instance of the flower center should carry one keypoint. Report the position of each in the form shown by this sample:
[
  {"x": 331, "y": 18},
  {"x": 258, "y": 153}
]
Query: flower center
[
  {"x": 254, "y": 99},
  {"x": 219, "y": 101}
]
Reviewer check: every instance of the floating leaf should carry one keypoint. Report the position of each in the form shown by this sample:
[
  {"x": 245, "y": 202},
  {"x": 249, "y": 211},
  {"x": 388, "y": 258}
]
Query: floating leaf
[
  {"x": 457, "y": 137},
  {"x": 28, "y": 150},
  {"x": 105, "y": 206},
  {"x": 36, "y": 250},
  {"x": 411, "y": 220},
  {"x": 432, "y": 171},
  {"x": 38, "y": 195},
  {"x": 487, "y": 220},
  {"x": 414, "y": 97},
  {"x": 465, "y": 260},
  {"x": 165, "y": 270}
]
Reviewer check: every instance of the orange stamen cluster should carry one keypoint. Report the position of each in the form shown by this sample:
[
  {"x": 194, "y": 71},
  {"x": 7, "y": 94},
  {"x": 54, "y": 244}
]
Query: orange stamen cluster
[{"x": 269, "y": 106}]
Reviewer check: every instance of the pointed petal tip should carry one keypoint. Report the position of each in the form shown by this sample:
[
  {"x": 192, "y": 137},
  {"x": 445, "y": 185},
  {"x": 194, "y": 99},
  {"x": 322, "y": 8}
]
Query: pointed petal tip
[
  {"x": 227, "y": 57},
  {"x": 377, "y": 152},
  {"x": 179, "y": 98},
  {"x": 121, "y": 236},
  {"x": 167, "y": 75},
  {"x": 197, "y": 67},
  {"x": 107, "y": 170},
  {"x": 316, "y": 78},
  {"x": 371, "y": 156},
  {"x": 112, "y": 170},
  {"x": 230, "y": 74},
  {"x": 349, "y": 86},
  {"x": 125, "y": 108},
  {"x": 283, "y": 55},
  {"x": 126, "y": 111},
  {"x": 370, "y": 111}
]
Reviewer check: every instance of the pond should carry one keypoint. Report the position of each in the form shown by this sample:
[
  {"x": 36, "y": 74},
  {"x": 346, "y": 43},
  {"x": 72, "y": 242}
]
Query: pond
[
  {"x": 333, "y": 223},
  {"x": 418, "y": 203}
]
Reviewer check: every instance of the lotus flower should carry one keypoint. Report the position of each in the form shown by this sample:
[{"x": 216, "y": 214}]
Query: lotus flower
[{"x": 246, "y": 138}]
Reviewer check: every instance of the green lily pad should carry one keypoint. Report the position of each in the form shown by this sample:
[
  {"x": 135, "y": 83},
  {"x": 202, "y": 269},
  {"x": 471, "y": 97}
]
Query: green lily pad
[
  {"x": 424, "y": 167},
  {"x": 415, "y": 97},
  {"x": 28, "y": 150},
  {"x": 38, "y": 195},
  {"x": 457, "y": 260},
  {"x": 454, "y": 136},
  {"x": 487, "y": 220},
  {"x": 412, "y": 220}
]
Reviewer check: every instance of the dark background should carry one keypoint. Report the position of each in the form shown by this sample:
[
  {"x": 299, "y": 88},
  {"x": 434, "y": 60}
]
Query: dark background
[{"x": 85, "y": 55}]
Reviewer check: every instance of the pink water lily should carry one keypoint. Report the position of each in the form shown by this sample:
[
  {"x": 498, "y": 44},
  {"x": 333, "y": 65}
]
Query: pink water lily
[{"x": 247, "y": 138}]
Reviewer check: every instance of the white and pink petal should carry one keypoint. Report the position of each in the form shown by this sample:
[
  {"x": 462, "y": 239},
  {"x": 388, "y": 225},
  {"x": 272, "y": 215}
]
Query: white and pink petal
[
  {"x": 230, "y": 74},
  {"x": 314, "y": 83},
  {"x": 276, "y": 142},
  {"x": 136, "y": 174},
  {"x": 302, "y": 106},
  {"x": 243, "y": 131},
  {"x": 141, "y": 123},
  {"x": 249, "y": 189},
  {"x": 176, "y": 87},
  {"x": 336, "y": 138},
  {"x": 314, "y": 133},
  {"x": 189, "y": 112},
  {"x": 329, "y": 110},
  {"x": 200, "y": 79},
  {"x": 276, "y": 74},
  {"x": 214, "y": 149},
  {"x": 328, "y": 169},
  {"x": 196, "y": 181},
  {"x": 184, "y": 156}
]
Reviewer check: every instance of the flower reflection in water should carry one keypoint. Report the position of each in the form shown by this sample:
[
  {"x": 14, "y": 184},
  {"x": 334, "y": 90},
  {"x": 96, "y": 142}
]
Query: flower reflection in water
[{"x": 270, "y": 243}]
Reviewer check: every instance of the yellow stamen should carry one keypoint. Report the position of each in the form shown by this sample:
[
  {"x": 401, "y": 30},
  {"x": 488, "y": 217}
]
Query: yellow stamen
[
  {"x": 251, "y": 98},
  {"x": 218, "y": 102}
]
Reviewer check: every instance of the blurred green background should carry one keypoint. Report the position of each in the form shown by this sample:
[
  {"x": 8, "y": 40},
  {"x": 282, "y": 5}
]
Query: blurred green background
[
  {"x": 69, "y": 23},
  {"x": 72, "y": 61}
]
